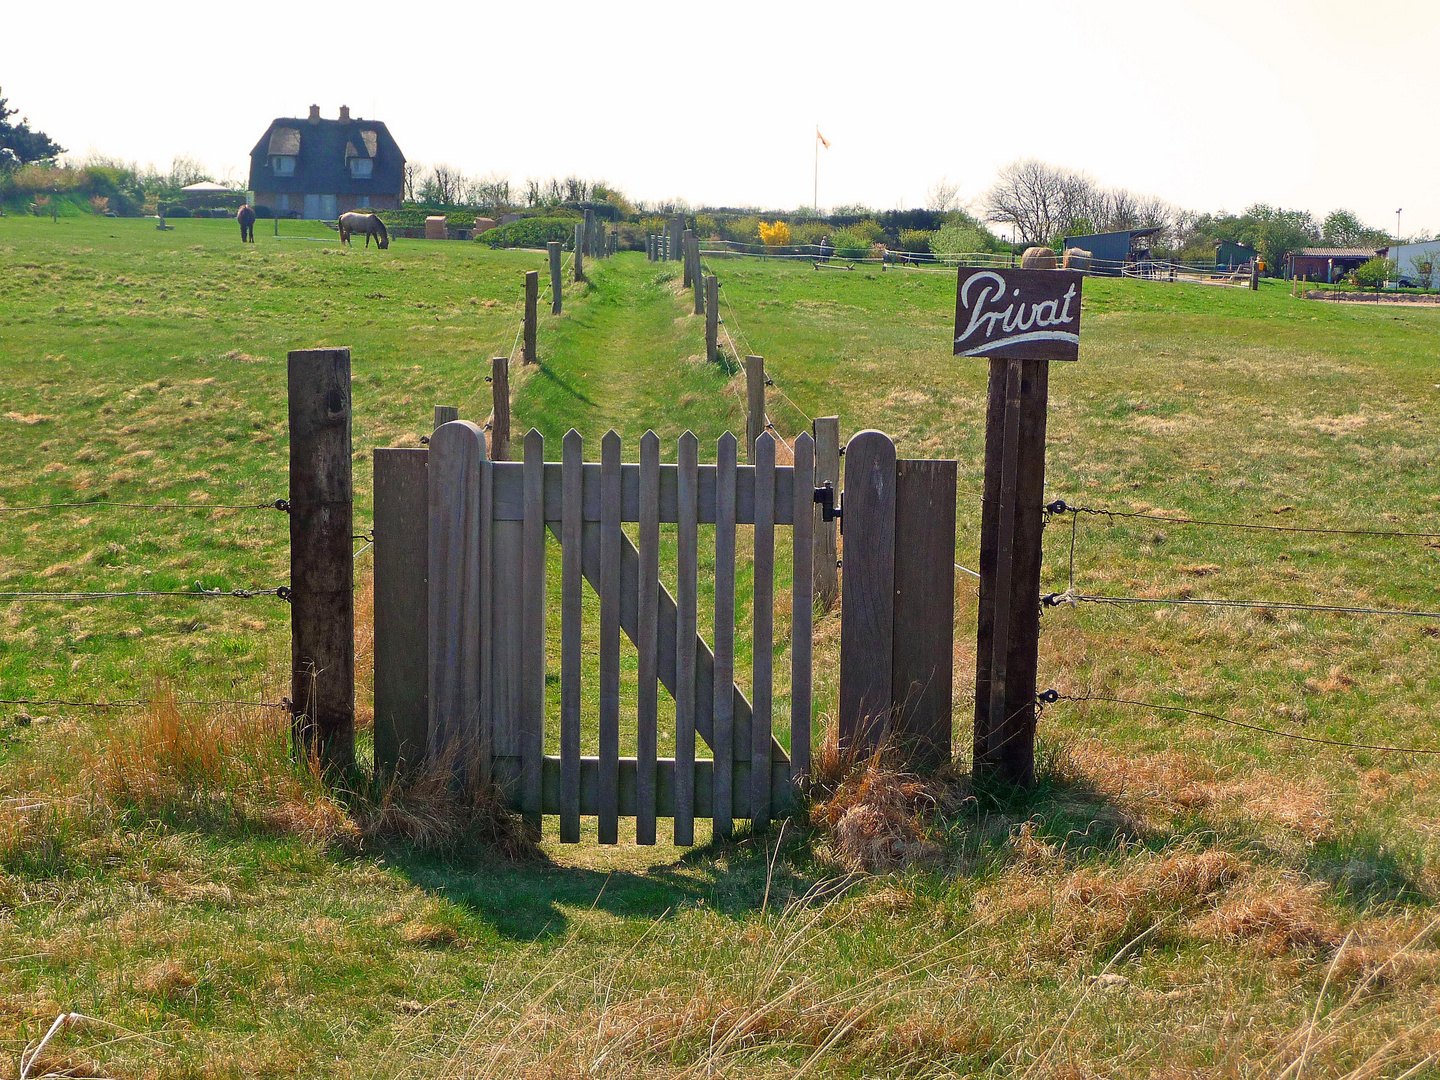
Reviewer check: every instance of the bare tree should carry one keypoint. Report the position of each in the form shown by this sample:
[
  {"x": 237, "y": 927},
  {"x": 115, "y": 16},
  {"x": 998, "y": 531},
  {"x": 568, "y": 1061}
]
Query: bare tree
[
  {"x": 534, "y": 192},
  {"x": 1038, "y": 199},
  {"x": 491, "y": 192},
  {"x": 185, "y": 170},
  {"x": 444, "y": 186},
  {"x": 412, "y": 172},
  {"x": 942, "y": 196}
]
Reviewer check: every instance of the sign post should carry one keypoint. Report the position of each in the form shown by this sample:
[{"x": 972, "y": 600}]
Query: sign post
[{"x": 1019, "y": 320}]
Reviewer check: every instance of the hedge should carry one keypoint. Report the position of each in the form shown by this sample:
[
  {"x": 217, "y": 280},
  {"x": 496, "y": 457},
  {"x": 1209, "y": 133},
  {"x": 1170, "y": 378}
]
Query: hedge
[{"x": 531, "y": 233}]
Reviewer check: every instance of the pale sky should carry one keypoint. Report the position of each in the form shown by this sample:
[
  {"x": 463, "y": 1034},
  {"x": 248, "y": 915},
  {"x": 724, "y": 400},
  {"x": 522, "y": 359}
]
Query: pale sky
[{"x": 1212, "y": 105}]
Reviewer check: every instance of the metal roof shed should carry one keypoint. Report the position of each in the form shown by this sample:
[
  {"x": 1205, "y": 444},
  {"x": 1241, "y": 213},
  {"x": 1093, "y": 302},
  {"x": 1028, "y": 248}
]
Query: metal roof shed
[{"x": 1112, "y": 250}]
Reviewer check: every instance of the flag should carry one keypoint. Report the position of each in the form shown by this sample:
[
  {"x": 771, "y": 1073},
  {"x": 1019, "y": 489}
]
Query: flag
[{"x": 823, "y": 141}]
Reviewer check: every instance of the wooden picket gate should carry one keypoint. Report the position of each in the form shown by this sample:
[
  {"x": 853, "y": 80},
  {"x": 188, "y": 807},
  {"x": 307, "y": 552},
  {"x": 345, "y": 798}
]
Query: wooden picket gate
[{"x": 461, "y": 551}]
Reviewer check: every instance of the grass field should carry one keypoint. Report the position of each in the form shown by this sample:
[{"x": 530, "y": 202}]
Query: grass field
[{"x": 1178, "y": 898}]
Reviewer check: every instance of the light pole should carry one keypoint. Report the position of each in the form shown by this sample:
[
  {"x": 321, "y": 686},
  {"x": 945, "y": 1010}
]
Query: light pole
[{"x": 1397, "y": 226}]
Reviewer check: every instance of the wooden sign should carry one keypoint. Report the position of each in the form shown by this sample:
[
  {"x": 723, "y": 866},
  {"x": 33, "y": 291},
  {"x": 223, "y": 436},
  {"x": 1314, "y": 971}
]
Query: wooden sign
[{"x": 1018, "y": 314}]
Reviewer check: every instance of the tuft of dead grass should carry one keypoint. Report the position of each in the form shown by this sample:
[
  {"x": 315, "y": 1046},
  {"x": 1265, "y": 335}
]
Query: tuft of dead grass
[{"x": 1276, "y": 917}]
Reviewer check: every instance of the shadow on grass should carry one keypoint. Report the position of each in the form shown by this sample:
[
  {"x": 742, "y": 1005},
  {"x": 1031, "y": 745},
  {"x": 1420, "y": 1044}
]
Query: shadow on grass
[
  {"x": 571, "y": 389},
  {"x": 537, "y": 898}
]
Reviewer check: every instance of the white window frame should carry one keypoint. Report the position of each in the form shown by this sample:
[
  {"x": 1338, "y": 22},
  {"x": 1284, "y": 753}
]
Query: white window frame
[
  {"x": 362, "y": 168},
  {"x": 283, "y": 164}
]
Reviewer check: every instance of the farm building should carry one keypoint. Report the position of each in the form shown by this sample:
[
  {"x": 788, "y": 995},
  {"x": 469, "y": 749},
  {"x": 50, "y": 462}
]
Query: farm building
[
  {"x": 1325, "y": 264},
  {"x": 1112, "y": 251},
  {"x": 1231, "y": 256},
  {"x": 318, "y": 169},
  {"x": 1417, "y": 263}
]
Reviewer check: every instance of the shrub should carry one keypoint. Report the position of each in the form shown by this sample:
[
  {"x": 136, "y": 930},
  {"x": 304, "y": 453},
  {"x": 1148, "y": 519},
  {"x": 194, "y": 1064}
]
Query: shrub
[
  {"x": 774, "y": 234},
  {"x": 851, "y": 243},
  {"x": 531, "y": 233},
  {"x": 264, "y": 212},
  {"x": 180, "y": 210},
  {"x": 1375, "y": 273},
  {"x": 809, "y": 232},
  {"x": 741, "y": 230},
  {"x": 961, "y": 240},
  {"x": 915, "y": 240}
]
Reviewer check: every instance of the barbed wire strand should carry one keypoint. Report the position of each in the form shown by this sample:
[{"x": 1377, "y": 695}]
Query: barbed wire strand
[
  {"x": 137, "y": 703},
  {"x": 1060, "y": 507},
  {"x": 101, "y": 504},
  {"x": 1252, "y": 727},
  {"x": 195, "y": 594},
  {"x": 1055, "y": 599}
]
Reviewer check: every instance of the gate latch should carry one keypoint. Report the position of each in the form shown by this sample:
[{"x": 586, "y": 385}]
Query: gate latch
[{"x": 825, "y": 496}]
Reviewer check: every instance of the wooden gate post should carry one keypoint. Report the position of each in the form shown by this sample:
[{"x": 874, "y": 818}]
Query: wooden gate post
[
  {"x": 754, "y": 403},
  {"x": 500, "y": 422},
  {"x": 589, "y": 221},
  {"x": 532, "y": 296},
  {"x": 553, "y": 248},
  {"x": 827, "y": 470},
  {"x": 1007, "y": 636},
  {"x": 322, "y": 565},
  {"x": 677, "y": 232},
  {"x": 689, "y": 265},
  {"x": 402, "y": 654},
  {"x": 579, "y": 267},
  {"x": 712, "y": 318}
]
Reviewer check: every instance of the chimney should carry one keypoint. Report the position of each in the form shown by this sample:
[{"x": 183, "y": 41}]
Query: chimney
[
  {"x": 344, "y": 114},
  {"x": 314, "y": 114}
]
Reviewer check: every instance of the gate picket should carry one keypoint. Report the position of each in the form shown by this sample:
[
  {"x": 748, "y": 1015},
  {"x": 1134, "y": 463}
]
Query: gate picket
[
  {"x": 532, "y": 689},
  {"x": 722, "y": 739},
  {"x": 573, "y": 453},
  {"x": 647, "y": 712},
  {"x": 610, "y": 537},
  {"x": 802, "y": 608},
  {"x": 687, "y": 518},
  {"x": 764, "y": 620}
]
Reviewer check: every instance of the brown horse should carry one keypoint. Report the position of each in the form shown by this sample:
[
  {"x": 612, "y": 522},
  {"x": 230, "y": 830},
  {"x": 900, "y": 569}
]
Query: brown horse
[
  {"x": 369, "y": 224},
  {"x": 246, "y": 217}
]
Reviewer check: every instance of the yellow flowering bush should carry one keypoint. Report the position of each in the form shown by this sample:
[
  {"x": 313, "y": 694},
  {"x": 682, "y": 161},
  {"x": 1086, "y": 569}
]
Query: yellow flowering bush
[{"x": 774, "y": 234}]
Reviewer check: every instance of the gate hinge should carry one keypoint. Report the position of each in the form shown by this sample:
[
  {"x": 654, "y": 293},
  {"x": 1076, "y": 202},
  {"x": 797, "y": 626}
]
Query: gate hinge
[{"x": 829, "y": 509}]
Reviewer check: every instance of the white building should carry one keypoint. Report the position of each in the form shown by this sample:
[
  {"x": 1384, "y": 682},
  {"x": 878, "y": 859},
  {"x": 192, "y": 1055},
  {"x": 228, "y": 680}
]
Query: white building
[{"x": 1410, "y": 259}]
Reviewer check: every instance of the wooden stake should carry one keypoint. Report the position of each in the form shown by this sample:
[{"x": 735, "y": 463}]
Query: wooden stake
[
  {"x": 755, "y": 403},
  {"x": 712, "y": 318},
  {"x": 532, "y": 297},
  {"x": 554, "y": 250},
  {"x": 579, "y": 267},
  {"x": 500, "y": 422},
  {"x": 689, "y": 271},
  {"x": 322, "y": 611},
  {"x": 695, "y": 278}
]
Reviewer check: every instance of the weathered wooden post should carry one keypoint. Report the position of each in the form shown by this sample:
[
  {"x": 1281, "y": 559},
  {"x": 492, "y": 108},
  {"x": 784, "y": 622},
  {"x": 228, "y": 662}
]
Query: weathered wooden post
[
  {"x": 1020, "y": 320},
  {"x": 579, "y": 266},
  {"x": 825, "y": 562},
  {"x": 754, "y": 403},
  {"x": 444, "y": 414},
  {"x": 689, "y": 264},
  {"x": 322, "y": 565},
  {"x": 500, "y": 422},
  {"x": 696, "y": 278},
  {"x": 532, "y": 297},
  {"x": 590, "y": 232},
  {"x": 712, "y": 318},
  {"x": 677, "y": 232},
  {"x": 553, "y": 249}
]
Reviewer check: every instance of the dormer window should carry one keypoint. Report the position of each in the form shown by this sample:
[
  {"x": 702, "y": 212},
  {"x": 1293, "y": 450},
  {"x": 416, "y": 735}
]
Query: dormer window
[
  {"x": 283, "y": 164},
  {"x": 361, "y": 168}
]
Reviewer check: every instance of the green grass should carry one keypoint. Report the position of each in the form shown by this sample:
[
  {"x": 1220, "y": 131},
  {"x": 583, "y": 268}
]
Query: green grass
[{"x": 144, "y": 366}]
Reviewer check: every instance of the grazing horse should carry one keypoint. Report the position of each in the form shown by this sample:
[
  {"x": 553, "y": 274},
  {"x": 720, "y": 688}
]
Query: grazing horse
[
  {"x": 369, "y": 224},
  {"x": 246, "y": 217}
]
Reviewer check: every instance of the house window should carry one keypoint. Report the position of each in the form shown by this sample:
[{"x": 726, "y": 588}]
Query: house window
[
  {"x": 284, "y": 165},
  {"x": 282, "y": 203},
  {"x": 360, "y": 168},
  {"x": 362, "y": 201}
]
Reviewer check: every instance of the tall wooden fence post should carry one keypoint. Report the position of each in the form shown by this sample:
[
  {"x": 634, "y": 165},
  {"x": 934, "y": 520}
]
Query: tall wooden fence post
[
  {"x": 590, "y": 232},
  {"x": 553, "y": 248},
  {"x": 825, "y": 566},
  {"x": 696, "y": 277},
  {"x": 322, "y": 565},
  {"x": 500, "y": 422},
  {"x": 402, "y": 654},
  {"x": 1011, "y": 521},
  {"x": 689, "y": 265},
  {"x": 677, "y": 232},
  {"x": 754, "y": 403},
  {"x": 579, "y": 266},
  {"x": 712, "y": 318},
  {"x": 532, "y": 297},
  {"x": 444, "y": 414}
]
